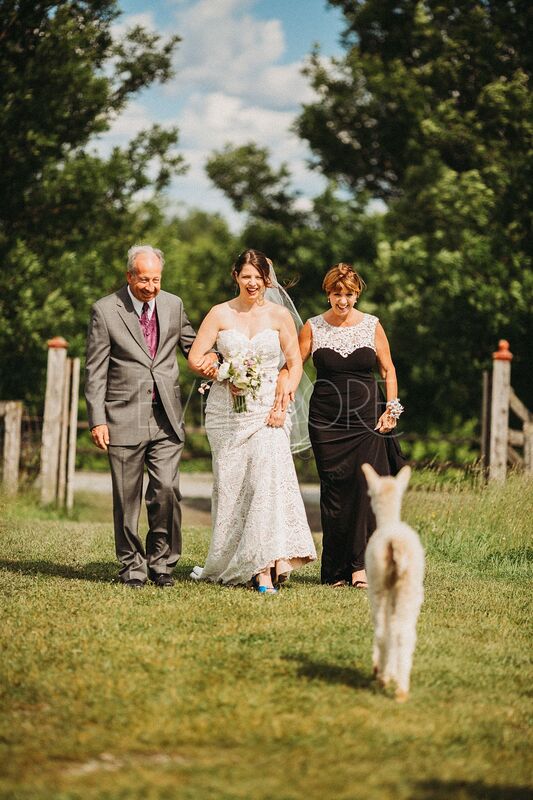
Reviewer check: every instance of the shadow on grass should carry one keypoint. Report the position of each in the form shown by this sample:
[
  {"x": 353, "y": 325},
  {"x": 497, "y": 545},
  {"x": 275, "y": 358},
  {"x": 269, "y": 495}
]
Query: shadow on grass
[
  {"x": 331, "y": 673},
  {"x": 466, "y": 790},
  {"x": 311, "y": 580},
  {"x": 98, "y": 571},
  {"x": 198, "y": 503}
]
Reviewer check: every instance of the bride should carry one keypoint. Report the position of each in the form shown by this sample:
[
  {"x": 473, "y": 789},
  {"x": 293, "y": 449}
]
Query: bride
[{"x": 260, "y": 531}]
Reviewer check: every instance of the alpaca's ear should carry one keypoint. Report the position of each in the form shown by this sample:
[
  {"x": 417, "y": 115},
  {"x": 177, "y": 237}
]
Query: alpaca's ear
[
  {"x": 402, "y": 478},
  {"x": 372, "y": 477}
]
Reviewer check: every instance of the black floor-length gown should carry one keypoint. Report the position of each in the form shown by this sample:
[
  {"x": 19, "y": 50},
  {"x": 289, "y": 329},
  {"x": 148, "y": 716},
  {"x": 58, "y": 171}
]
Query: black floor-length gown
[{"x": 345, "y": 406}]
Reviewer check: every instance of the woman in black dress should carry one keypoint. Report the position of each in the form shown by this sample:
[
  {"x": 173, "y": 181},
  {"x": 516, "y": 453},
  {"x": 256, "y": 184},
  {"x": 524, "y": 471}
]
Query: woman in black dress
[{"x": 345, "y": 421}]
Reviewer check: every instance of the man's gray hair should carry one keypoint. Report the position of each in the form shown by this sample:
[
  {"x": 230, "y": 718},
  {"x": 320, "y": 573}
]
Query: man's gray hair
[{"x": 137, "y": 249}]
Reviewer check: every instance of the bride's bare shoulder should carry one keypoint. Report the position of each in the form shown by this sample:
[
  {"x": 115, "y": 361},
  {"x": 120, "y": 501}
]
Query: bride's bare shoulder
[
  {"x": 278, "y": 313},
  {"x": 220, "y": 310}
]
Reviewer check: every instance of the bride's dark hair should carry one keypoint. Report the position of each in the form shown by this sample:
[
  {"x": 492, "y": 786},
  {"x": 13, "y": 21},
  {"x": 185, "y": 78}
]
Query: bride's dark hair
[{"x": 254, "y": 258}]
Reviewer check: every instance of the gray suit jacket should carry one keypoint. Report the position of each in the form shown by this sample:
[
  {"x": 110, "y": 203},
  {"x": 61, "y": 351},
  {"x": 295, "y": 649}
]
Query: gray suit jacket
[{"x": 120, "y": 372}]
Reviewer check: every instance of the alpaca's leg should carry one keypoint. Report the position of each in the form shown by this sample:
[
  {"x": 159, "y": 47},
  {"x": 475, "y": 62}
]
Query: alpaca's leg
[
  {"x": 406, "y": 648},
  {"x": 389, "y": 650},
  {"x": 379, "y": 649}
]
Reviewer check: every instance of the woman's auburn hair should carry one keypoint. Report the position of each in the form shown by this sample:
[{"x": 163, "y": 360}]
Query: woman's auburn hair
[{"x": 343, "y": 276}]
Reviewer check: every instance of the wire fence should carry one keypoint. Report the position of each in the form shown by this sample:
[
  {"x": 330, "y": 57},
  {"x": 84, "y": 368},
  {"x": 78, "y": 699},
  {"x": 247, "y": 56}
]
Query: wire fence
[{"x": 430, "y": 452}]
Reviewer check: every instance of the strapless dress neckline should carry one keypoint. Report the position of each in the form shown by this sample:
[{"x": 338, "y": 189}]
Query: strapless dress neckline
[{"x": 244, "y": 336}]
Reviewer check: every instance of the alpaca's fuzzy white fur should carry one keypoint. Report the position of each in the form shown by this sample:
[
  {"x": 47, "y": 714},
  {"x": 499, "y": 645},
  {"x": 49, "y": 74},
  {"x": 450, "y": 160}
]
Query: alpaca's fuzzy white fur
[{"x": 394, "y": 564}]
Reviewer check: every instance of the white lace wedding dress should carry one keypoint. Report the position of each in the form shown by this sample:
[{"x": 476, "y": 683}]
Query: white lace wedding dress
[{"x": 257, "y": 510}]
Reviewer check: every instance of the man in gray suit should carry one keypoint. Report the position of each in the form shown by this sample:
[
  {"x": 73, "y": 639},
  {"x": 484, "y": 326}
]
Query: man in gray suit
[{"x": 135, "y": 412}]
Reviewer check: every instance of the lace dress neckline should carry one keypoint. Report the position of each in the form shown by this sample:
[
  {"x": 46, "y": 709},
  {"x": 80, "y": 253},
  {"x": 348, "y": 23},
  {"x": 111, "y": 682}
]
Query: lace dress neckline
[{"x": 343, "y": 339}]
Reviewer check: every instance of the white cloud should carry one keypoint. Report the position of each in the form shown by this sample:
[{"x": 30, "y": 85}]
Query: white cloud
[
  {"x": 231, "y": 86},
  {"x": 285, "y": 86},
  {"x": 209, "y": 122},
  {"x": 225, "y": 49},
  {"x": 195, "y": 190},
  {"x": 125, "y": 23},
  {"x": 134, "y": 119},
  {"x": 212, "y": 120}
]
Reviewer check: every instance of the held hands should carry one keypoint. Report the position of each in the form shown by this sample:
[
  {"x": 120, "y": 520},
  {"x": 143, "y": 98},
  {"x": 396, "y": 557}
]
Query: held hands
[
  {"x": 100, "y": 436},
  {"x": 277, "y": 416},
  {"x": 284, "y": 391},
  {"x": 385, "y": 423},
  {"x": 208, "y": 365}
]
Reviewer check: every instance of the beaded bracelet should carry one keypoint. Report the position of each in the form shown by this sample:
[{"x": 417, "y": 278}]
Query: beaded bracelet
[{"x": 394, "y": 408}]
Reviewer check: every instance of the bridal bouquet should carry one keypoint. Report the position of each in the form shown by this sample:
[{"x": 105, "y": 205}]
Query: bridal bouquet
[{"x": 242, "y": 370}]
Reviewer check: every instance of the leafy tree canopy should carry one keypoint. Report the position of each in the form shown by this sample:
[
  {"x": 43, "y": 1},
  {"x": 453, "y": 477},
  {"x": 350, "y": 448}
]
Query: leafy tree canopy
[
  {"x": 430, "y": 110},
  {"x": 67, "y": 215}
]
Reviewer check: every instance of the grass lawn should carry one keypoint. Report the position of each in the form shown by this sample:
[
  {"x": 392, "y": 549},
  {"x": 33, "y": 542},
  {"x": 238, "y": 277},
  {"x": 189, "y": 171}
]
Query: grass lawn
[{"x": 206, "y": 692}]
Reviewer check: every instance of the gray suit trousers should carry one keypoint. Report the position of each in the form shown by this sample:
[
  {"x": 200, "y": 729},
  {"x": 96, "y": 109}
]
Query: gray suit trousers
[{"x": 160, "y": 453}]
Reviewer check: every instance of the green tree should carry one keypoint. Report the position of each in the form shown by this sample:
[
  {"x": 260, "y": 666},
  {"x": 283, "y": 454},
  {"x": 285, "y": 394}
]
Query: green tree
[
  {"x": 66, "y": 214},
  {"x": 245, "y": 176},
  {"x": 430, "y": 111}
]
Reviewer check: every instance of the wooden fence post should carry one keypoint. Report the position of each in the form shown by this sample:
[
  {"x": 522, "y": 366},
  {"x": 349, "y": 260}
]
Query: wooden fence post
[
  {"x": 12, "y": 424},
  {"x": 63, "y": 441},
  {"x": 55, "y": 377},
  {"x": 73, "y": 432},
  {"x": 499, "y": 418},
  {"x": 485, "y": 422},
  {"x": 528, "y": 447}
]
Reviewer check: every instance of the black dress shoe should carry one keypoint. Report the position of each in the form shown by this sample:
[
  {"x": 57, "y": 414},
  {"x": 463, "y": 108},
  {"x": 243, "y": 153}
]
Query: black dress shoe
[
  {"x": 163, "y": 581},
  {"x": 134, "y": 583}
]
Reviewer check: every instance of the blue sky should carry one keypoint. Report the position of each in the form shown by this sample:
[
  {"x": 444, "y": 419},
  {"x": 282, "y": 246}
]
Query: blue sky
[{"x": 237, "y": 79}]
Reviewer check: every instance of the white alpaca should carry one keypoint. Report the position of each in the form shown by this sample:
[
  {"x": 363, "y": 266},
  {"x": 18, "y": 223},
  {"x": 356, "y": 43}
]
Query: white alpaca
[{"x": 394, "y": 564}]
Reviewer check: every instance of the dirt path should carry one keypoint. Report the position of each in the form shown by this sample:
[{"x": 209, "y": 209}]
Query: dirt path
[{"x": 196, "y": 488}]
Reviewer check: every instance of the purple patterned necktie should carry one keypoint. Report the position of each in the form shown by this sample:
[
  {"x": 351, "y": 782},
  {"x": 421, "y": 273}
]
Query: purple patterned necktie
[
  {"x": 149, "y": 329},
  {"x": 150, "y": 333}
]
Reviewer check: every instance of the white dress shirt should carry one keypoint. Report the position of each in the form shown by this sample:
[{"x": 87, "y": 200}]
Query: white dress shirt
[{"x": 138, "y": 305}]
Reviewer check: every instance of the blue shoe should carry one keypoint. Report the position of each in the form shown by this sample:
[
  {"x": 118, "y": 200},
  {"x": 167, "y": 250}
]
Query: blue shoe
[
  {"x": 262, "y": 589},
  {"x": 266, "y": 589}
]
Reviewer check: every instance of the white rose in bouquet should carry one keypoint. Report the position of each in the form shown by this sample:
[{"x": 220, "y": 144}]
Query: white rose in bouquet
[
  {"x": 223, "y": 371},
  {"x": 243, "y": 371}
]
